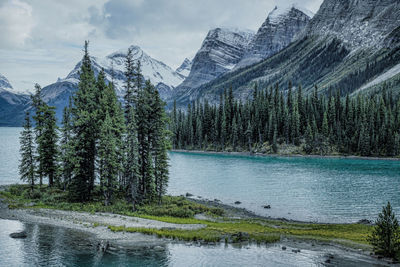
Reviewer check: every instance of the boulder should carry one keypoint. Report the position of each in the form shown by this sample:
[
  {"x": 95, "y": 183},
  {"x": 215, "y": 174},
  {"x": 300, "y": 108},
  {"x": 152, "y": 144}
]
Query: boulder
[
  {"x": 238, "y": 202},
  {"x": 19, "y": 235},
  {"x": 159, "y": 248}
]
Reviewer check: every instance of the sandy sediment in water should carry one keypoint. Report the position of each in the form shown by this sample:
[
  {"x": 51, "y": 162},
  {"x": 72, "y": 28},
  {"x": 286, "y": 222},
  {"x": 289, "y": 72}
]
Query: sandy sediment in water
[{"x": 96, "y": 224}]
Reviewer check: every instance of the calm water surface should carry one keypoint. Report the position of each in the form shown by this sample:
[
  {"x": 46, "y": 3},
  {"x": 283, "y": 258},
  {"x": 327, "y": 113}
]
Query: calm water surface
[
  {"x": 307, "y": 189},
  {"x": 298, "y": 188},
  {"x": 55, "y": 246}
]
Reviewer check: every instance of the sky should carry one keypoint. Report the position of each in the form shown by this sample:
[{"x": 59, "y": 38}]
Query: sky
[{"x": 41, "y": 41}]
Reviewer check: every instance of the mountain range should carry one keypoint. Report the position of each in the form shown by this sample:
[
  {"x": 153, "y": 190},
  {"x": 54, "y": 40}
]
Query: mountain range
[{"x": 351, "y": 45}]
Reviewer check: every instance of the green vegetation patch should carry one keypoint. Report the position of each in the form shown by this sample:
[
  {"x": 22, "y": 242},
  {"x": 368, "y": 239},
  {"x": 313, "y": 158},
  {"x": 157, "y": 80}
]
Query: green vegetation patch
[{"x": 179, "y": 210}]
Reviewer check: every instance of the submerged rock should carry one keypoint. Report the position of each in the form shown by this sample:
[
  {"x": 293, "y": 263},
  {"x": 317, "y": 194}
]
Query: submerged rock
[
  {"x": 283, "y": 248},
  {"x": 159, "y": 248},
  {"x": 19, "y": 235},
  {"x": 188, "y": 195},
  {"x": 267, "y": 206},
  {"x": 365, "y": 221},
  {"x": 238, "y": 202}
]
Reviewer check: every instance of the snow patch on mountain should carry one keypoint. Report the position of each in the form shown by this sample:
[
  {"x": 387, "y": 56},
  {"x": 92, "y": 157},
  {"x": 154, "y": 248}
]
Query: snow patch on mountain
[{"x": 383, "y": 77}]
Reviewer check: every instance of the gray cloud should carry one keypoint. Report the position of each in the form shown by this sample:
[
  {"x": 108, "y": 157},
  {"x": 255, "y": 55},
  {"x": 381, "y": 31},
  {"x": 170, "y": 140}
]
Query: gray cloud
[{"x": 50, "y": 33}]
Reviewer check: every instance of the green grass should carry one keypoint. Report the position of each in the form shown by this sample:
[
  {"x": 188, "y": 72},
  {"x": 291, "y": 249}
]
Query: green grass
[
  {"x": 18, "y": 196},
  {"x": 179, "y": 210}
]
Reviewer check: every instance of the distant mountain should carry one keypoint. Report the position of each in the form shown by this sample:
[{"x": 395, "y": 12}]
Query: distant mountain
[
  {"x": 12, "y": 105},
  {"x": 162, "y": 76},
  {"x": 350, "y": 45},
  {"x": 5, "y": 84},
  {"x": 277, "y": 32},
  {"x": 165, "y": 79},
  {"x": 221, "y": 50},
  {"x": 184, "y": 68}
]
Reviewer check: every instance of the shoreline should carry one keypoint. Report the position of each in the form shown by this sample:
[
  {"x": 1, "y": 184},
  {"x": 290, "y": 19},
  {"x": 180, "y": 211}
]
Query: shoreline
[
  {"x": 94, "y": 224},
  {"x": 235, "y": 153},
  {"x": 97, "y": 224}
]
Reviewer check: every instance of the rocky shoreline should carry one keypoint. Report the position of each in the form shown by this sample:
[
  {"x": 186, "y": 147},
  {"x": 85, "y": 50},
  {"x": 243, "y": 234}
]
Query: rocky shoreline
[
  {"x": 233, "y": 153},
  {"x": 96, "y": 225}
]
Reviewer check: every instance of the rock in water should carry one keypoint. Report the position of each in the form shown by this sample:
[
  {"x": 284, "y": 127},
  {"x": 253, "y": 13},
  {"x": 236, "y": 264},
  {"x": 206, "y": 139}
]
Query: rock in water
[{"x": 19, "y": 235}]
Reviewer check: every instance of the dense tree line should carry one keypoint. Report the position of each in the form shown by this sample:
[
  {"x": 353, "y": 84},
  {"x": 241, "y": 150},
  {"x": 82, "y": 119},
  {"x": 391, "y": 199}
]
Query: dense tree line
[
  {"x": 274, "y": 119},
  {"x": 122, "y": 148}
]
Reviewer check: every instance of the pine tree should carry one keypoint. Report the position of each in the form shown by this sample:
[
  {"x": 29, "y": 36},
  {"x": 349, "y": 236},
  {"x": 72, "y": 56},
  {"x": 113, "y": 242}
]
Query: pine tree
[
  {"x": 145, "y": 131},
  {"x": 27, "y": 149},
  {"x": 85, "y": 129},
  {"x": 385, "y": 237},
  {"x": 47, "y": 143},
  {"x": 46, "y": 139},
  {"x": 66, "y": 143},
  {"x": 38, "y": 117},
  {"x": 131, "y": 154},
  {"x": 108, "y": 159},
  {"x": 274, "y": 140},
  {"x": 160, "y": 146}
]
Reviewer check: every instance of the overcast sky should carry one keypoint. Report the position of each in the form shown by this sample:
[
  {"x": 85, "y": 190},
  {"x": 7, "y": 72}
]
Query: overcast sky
[{"x": 42, "y": 40}]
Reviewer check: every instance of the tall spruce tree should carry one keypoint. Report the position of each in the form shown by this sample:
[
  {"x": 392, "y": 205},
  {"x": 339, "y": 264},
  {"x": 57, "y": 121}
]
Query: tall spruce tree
[
  {"x": 66, "y": 146},
  {"x": 47, "y": 143},
  {"x": 38, "y": 106},
  {"x": 131, "y": 167},
  {"x": 108, "y": 160},
  {"x": 85, "y": 128},
  {"x": 160, "y": 144},
  {"x": 27, "y": 150}
]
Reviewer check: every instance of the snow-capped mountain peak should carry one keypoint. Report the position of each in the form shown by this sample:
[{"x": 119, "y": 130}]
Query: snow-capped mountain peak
[
  {"x": 279, "y": 14},
  {"x": 161, "y": 75},
  {"x": 277, "y": 32},
  {"x": 5, "y": 84}
]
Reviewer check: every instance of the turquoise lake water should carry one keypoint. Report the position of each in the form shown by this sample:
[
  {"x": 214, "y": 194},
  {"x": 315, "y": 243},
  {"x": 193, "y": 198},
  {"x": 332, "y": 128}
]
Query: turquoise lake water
[
  {"x": 312, "y": 189},
  {"x": 307, "y": 189}
]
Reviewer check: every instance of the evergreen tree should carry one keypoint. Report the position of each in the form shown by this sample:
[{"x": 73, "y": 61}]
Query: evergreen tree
[
  {"x": 85, "y": 129},
  {"x": 48, "y": 153},
  {"x": 66, "y": 143},
  {"x": 38, "y": 117},
  {"x": 27, "y": 163},
  {"x": 108, "y": 160},
  {"x": 385, "y": 237},
  {"x": 160, "y": 146}
]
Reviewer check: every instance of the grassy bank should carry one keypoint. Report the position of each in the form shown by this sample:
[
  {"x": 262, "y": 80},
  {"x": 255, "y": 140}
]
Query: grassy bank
[{"x": 182, "y": 211}]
